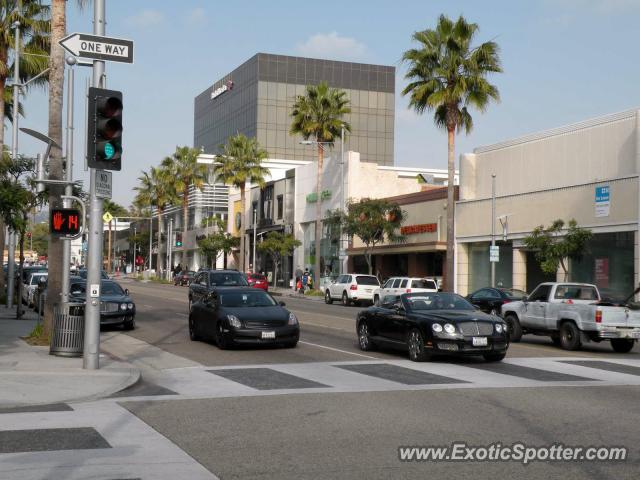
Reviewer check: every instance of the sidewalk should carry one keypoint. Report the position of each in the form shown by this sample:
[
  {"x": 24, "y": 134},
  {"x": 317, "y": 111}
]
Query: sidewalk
[
  {"x": 30, "y": 376},
  {"x": 289, "y": 292}
]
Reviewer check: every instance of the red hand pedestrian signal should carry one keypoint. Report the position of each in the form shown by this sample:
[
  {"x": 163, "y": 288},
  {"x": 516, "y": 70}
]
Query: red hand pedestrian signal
[{"x": 65, "y": 222}]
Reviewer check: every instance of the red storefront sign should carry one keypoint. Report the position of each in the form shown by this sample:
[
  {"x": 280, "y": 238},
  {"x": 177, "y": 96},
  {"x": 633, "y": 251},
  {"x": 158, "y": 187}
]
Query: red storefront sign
[
  {"x": 423, "y": 228},
  {"x": 602, "y": 272}
]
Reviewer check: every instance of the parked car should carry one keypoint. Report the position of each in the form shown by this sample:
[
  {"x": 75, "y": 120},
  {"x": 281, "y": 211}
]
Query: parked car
[
  {"x": 571, "y": 313},
  {"x": 29, "y": 288},
  {"x": 351, "y": 288},
  {"x": 116, "y": 306},
  {"x": 242, "y": 316},
  {"x": 399, "y": 285},
  {"x": 184, "y": 277},
  {"x": 490, "y": 300},
  {"x": 206, "y": 281},
  {"x": 257, "y": 280},
  {"x": 430, "y": 323}
]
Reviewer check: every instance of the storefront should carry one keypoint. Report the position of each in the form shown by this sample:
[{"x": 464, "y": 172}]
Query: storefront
[
  {"x": 422, "y": 252},
  {"x": 587, "y": 172}
]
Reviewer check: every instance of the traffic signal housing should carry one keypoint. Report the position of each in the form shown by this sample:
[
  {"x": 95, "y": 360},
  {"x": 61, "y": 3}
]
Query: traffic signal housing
[
  {"x": 104, "y": 131},
  {"x": 178, "y": 239}
]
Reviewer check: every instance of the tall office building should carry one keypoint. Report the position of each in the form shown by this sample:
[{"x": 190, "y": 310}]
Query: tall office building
[{"x": 256, "y": 99}]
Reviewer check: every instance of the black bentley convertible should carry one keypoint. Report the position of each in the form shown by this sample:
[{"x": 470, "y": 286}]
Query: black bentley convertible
[
  {"x": 427, "y": 324},
  {"x": 242, "y": 316}
]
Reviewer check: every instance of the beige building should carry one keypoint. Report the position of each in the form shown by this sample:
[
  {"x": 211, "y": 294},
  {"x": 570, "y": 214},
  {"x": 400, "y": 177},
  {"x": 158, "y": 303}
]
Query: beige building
[
  {"x": 423, "y": 251},
  {"x": 586, "y": 171}
]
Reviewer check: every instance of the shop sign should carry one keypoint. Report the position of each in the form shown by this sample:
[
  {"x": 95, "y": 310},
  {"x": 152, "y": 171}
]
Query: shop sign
[
  {"x": 423, "y": 228},
  {"x": 494, "y": 253},
  {"x": 603, "y": 201},
  {"x": 228, "y": 85},
  {"x": 313, "y": 197}
]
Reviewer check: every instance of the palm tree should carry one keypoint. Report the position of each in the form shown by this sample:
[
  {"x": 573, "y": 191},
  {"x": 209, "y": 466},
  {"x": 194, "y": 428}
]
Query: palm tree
[
  {"x": 157, "y": 190},
  {"x": 319, "y": 115},
  {"x": 34, "y": 26},
  {"x": 241, "y": 162},
  {"x": 186, "y": 171},
  {"x": 447, "y": 75}
]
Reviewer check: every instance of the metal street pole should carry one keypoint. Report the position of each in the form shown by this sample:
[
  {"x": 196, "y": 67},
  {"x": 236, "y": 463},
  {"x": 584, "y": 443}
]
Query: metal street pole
[
  {"x": 114, "y": 241},
  {"x": 493, "y": 226},
  {"x": 342, "y": 204},
  {"x": 94, "y": 265},
  {"x": 134, "y": 249},
  {"x": 170, "y": 250},
  {"x": 14, "y": 155},
  {"x": 255, "y": 221},
  {"x": 68, "y": 190},
  {"x": 150, "y": 242}
]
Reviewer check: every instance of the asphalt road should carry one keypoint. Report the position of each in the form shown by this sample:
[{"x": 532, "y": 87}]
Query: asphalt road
[
  {"x": 317, "y": 435},
  {"x": 327, "y": 333}
]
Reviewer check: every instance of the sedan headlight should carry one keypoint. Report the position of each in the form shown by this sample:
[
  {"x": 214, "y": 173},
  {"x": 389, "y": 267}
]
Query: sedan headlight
[
  {"x": 123, "y": 306},
  {"x": 234, "y": 321},
  {"x": 293, "y": 320},
  {"x": 130, "y": 306},
  {"x": 450, "y": 329},
  {"x": 436, "y": 327},
  {"x": 499, "y": 328}
]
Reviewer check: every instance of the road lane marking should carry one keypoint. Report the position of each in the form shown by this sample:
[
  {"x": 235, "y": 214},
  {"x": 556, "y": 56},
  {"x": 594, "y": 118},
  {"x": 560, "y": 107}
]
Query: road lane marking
[
  {"x": 147, "y": 306},
  {"x": 325, "y": 326},
  {"x": 182, "y": 314},
  {"x": 337, "y": 350}
]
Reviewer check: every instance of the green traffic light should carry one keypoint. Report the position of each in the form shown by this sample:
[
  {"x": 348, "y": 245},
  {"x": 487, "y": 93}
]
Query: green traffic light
[{"x": 109, "y": 151}]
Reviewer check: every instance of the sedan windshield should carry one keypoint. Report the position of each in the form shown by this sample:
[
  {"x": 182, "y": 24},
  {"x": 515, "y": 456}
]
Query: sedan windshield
[
  {"x": 246, "y": 299},
  {"x": 228, "y": 279},
  {"x": 435, "y": 301}
]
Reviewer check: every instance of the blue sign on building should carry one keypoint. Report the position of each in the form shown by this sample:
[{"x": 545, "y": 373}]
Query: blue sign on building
[{"x": 602, "y": 194}]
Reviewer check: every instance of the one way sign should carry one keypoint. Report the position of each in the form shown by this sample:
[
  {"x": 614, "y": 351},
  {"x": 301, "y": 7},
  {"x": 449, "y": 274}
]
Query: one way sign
[{"x": 84, "y": 45}]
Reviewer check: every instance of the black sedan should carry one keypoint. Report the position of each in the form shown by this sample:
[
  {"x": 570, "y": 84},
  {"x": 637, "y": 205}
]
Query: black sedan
[
  {"x": 184, "y": 278},
  {"x": 427, "y": 324},
  {"x": 116, "y": 306},
  {"x": 242, "y": 316},
  {"x": 489, "y": 300}
]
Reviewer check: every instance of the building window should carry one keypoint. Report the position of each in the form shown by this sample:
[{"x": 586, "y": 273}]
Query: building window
[{"x": 280, "y": 206}]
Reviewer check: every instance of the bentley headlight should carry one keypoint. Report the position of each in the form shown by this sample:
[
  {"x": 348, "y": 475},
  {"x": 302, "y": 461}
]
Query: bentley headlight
[
  {"x": 450, "y": 329},
  {"x": 499, "y": 327},
  {"x": 293, "y": 319},
  {"x": 130, "y": 306},
  {"x": 436, "y": 327},
  {"x": 234, "y": 321},
  {"x": 123, "y": 306}
]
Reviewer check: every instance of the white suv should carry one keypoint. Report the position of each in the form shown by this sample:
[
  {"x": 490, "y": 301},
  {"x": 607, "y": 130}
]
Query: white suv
[
  {"x": 398, "y": 285},
  {"x": 351, "y": 288}
]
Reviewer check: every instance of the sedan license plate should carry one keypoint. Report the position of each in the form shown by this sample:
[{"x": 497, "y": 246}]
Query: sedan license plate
[
  {"x": 479, "y": 341},
  {"x": 267, "y": 335}
]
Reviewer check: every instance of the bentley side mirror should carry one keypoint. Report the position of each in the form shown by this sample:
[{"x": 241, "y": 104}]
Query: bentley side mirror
[
  {"x": 282, "y": 304},
  {"x": 525, "y": 298},
  {"x": 126, "y": 292}
]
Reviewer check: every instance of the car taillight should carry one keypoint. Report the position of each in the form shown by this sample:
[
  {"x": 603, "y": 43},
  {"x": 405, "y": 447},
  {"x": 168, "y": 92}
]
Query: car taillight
[
  {"x": 354, "y": 287},
  {"x": 598, "y": 316},
  {"x": 408, "y": 290}
]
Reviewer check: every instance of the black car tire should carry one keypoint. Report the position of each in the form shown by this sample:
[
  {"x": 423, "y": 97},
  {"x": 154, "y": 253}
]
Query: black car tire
[
  {"x": 221, "y": 340},
  {"x": 130, "y": 324},
  {"x": 415, "y": 345},
  {"x": 192, "y": 331},
  {"x": 622, "y": 345},
  {"x": 345, "y": 299},
  {"x": 327, "y": 298},
  {"x": 494, "y": 357},
  {"x": 189, "y": 305},
  {"x": 364, "y": 337},
  {"x": 569, "y": 336},
  {"x": 515, "y": 330},
  {"x": 376, "y": 300}
]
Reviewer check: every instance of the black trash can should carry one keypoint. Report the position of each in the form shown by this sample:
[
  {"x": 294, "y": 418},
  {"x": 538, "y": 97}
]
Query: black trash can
[{"x": 67, "y": 337}]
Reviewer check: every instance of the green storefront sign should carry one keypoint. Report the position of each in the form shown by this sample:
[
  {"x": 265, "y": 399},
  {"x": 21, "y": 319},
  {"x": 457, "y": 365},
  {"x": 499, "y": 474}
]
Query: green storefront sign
[{"x": 313, "y": 197}]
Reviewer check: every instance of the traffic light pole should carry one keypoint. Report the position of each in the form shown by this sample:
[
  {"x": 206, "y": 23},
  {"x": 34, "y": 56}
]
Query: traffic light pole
[
  {"x": 94, "y": 255},
  {"x": 66, "y": 243}
]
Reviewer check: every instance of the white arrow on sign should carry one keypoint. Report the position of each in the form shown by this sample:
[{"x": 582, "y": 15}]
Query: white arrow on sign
[{"x": 112, "y": 49}]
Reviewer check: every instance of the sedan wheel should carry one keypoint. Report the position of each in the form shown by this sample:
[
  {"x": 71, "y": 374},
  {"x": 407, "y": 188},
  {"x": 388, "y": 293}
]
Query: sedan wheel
[
  {"x": 364, "y": 337},
  {"x": 415, "y": 342},
  {"x": 192, "y": 330},
  {"x": 130, "y": 324},
  {"x": 327, "y": 298},
  {"x": 221, "y": 340}
]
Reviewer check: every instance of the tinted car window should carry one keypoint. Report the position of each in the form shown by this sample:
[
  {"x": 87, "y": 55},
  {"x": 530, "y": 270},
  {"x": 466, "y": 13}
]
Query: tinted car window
[
  {"x": 436, "y": 301},
  {"x": 77, "y": 289},
  {"x": 424, "y": 284},
  {"x": 403, "y": 284},
  {"x": 541, "y": 293},
  {"x": 396, "y": 283},
  {"x": 227, "y": 279},
  {"x": 246, "y": 299},
  {"x": 389, "y": 300},
  {"x": 513, "y": 293},
  {"x": 109, "y": 288},
  {"x": 575, "y": 292},
  {"x": 367, "y": 280},
  {"x": 388, "y": 283}
]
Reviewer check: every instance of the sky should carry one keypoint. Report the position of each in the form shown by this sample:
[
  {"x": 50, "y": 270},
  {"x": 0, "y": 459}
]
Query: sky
[{"x": 564, "y": 61}]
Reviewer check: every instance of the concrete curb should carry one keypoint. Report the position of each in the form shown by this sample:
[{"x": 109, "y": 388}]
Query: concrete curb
[{"x": 130, "y": 376}]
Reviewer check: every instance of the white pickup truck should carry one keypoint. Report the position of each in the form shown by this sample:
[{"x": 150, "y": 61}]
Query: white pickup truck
[{"x": 571, "y": 314}]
